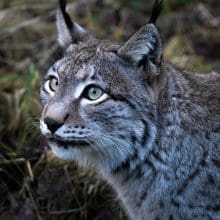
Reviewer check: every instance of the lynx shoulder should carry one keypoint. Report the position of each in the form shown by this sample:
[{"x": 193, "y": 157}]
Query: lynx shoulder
[{"x": 151, "y": 130}]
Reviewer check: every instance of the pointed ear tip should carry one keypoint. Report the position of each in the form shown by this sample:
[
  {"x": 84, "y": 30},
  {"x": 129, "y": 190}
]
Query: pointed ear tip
[
  {"x": 62, "y": 4},
  {"x": 156, "y": 11}
]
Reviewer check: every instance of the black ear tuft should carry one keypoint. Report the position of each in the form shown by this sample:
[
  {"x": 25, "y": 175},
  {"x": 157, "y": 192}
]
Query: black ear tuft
[
  {"x": 158, "y": 7},
  {"x": 66, "y": 17}
]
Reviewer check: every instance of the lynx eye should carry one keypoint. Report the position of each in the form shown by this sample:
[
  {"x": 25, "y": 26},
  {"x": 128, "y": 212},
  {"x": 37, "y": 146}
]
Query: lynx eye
[
  {"x": 93, "y": 93},
  {"x": 51, "y": 85}
]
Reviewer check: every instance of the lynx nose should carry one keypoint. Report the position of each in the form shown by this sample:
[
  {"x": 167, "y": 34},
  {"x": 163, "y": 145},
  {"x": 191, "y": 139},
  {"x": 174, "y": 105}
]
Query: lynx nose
[{"x": 52, "y": 124}]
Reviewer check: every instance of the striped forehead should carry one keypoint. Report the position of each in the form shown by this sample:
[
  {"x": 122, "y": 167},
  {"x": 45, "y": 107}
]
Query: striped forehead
[
  {"x": 61, "y": 66},
  {"x": 84, "y": 77},
  {"x": 85, "y": 73}
]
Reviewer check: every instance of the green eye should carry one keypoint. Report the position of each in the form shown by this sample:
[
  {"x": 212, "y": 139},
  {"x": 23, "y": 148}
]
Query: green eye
[
  {"x": 94, "y": 92},
  {"x": 53, "y": 84}
]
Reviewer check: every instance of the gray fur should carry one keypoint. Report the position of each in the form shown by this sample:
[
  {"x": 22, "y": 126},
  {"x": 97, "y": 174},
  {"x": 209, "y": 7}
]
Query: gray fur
[{"x": 155, "y": 138}]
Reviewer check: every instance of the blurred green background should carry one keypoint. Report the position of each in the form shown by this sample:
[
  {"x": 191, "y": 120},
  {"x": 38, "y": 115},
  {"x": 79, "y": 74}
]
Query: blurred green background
[{"x": 34, "y": 184}]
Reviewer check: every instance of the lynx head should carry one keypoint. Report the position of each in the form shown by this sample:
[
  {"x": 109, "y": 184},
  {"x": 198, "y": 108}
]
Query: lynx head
[{"x": 98, "y": 100}]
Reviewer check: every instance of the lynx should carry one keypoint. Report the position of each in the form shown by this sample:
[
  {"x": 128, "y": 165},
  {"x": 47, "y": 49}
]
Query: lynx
[{"x": 151, "y": 130}]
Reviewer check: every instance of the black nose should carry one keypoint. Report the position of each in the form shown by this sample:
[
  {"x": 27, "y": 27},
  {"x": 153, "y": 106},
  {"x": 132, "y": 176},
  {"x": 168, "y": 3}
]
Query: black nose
[{"x": 52, "y": 124}]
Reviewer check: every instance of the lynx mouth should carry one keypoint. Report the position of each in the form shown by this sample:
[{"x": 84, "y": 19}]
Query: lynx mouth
[{"x": 68, "y": 144}]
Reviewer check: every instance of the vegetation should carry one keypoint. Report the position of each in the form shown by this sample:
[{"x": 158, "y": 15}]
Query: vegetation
[{"x": 34, "y": 184}]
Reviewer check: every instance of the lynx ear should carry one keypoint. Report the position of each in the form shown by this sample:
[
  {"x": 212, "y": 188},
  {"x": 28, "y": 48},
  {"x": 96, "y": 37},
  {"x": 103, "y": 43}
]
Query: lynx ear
[
  {"x": 143, "y": 48},
  {"x": 68, "y": 30}
]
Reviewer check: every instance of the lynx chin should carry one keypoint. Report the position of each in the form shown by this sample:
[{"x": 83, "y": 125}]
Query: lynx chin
[{"x": 151, "y": 130}]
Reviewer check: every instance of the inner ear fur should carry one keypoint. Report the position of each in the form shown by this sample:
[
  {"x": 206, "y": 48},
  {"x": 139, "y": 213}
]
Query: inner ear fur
[{"x": 143, "y": 49}]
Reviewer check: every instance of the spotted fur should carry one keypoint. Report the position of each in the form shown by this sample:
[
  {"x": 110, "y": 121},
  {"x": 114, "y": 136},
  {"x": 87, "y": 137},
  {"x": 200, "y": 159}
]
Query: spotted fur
[{"x": 153, "y": 134}]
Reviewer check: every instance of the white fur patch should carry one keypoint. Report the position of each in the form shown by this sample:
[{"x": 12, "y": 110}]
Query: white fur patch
[
  {"x": 85, "y": 102},
  {"x": 47, "y": 88},
  {"x": 80, "y": 30},
  {"x": 62, "y": 153},
  {"x": 79, "y": 89},
  {"x": 44, "y": 129},
  {"x": 86, "y": 71}
]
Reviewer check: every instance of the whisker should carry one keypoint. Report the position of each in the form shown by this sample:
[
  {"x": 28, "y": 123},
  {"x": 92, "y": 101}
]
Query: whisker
[{"x": 94, "y": 147}]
